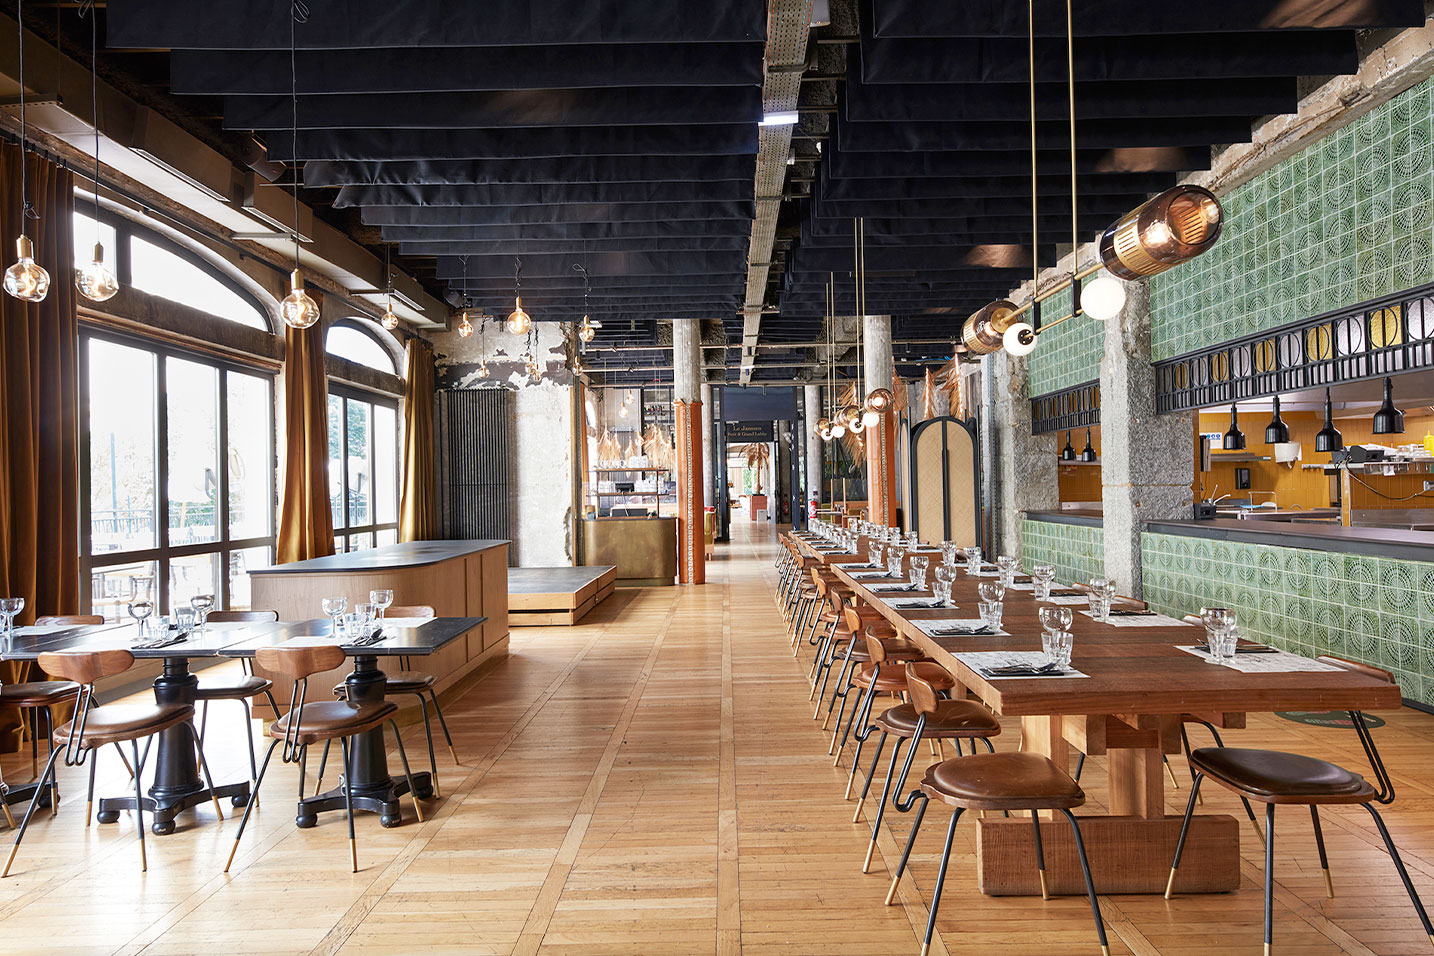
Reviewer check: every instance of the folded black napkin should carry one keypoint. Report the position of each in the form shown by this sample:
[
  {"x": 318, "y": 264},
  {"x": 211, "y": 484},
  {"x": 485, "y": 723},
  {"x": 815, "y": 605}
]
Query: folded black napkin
[
  {"x": 163, "y": 642},
  {"x": 1024, "y": 670},
  {"x": 908, "y": 605},
  {"x": 1131, "y": 612},
  {"x": 1241, "y": 649},
  {"x": 962, "y": 631}
]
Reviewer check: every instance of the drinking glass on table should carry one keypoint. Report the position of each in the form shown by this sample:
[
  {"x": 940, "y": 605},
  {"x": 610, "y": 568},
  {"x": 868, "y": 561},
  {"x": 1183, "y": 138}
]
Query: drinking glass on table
[
  {"x": 1102, "y": 592},
  {"x": 1221, "y": 633},
  {"x": 991, "y": 612},
  {"x": 1006, "y": 564},
  {"x": 333, "y": 608},
  {"x": 973, "y": 560},
  {"x": 1042, "y": 577},
  {"x": 913, "y": 540},
  {"x": 948, "y": 553},
  {"x": 382, "y": 599},
  {"x": 873, "y": 552},
  {"x": 140, "y": 610},
  {"x": 1055, "y": 618},
  {"x": 919, "y": 565},
  {"x": 991, "y": 591},
  {"x": 941, "y": 590},
  {"x": 9, "y": 607},
  {"x": 893, "y": 561},
  {"x": 184, "y": 618},
  {"x": 202, "y": 604},
  {"x": 1058, "y": 646}
]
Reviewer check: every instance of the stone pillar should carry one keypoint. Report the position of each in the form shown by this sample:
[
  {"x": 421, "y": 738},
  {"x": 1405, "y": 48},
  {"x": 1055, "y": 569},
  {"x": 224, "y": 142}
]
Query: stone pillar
[
  {"x": 1146, "y": 466},
  {"x": 812, "y": 399},
  {"x": 880, "y": 438},
  {"x": 687, "y": 419},
  {"x": 1022, "y": 465}
]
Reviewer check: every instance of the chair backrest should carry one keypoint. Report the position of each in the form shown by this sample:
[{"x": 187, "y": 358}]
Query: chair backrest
[
  {"x": 86, "y": 667},
  {"x": 1368, "y": 670},
  {"x": 74, "y": 619},
  {"x": 410, "y": 610},
  {"x": 876, "y": 649},
  {"x": 221, "y": 617},
  {"x": 923, "y": 695},
  {"x": 852, "y": 617},
  {"x": 298, "y": 663},
  {"x": 1376, "y": 763},
  {"x": 1192, "y": 619}
]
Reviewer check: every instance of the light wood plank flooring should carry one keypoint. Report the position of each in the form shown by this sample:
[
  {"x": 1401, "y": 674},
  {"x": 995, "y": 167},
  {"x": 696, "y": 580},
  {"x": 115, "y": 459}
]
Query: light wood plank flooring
[{"x": 650, "y": 782}]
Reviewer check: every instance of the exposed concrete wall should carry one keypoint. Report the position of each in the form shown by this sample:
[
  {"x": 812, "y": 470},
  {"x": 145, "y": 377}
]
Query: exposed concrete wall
[
  {"x": 812, "y": 398},
  {"x": 876, "y": 359}
]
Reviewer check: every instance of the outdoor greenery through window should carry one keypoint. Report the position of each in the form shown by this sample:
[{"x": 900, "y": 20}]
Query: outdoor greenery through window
[{"x": 363, "y": 469}]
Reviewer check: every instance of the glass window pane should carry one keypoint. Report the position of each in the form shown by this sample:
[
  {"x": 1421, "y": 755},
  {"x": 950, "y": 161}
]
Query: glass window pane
[
  {"x": 336, "y": 461},
  {"x": 87, "y": 233},
  {"x": 360, "y": 478},
  {"x": 358, "y": 347},
  {"x": 122, "y": 447},
  {"x": 190, "y": 576},
  {"x": 240, "y": 564},
  {"x": 193, "y": 406},
  {"x": 360, "y": 541},
  {"x": 388, "y": 537},
  {"x": 248, "y": 457},
  {"x": 112, "y": 588},
  {"x": 385, "y": 464},
  {"x": 158, "y": 271}
]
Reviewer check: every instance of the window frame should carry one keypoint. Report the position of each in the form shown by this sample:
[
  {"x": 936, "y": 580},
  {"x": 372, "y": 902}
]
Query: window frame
[
  {"x": 395, "y": 367},
  {"x": 163, "y": 552},
  {"x": 345, "y": 532}
]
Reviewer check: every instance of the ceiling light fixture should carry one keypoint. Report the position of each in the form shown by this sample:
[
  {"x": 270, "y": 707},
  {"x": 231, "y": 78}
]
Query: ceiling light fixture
[
  {"x": 1234, "y": 439},
  {"x": 1277, "y": 432},
  {"x": 25, "y": 279},
  {"x": 95, "y": 281},
  {"x": 1172, "y": 228},
  {"x": 784, "y": 118},
  {"x": 1328, "y": 438},
  {"x": 1388, "y": 420},
  {"x": 1088, "y": 452},
  {"x": 389, "y": 320},
  {"x": 1068, "y": 453},
  {"x": 519, "y": 322},
  {"x": 298, "y": 310}
]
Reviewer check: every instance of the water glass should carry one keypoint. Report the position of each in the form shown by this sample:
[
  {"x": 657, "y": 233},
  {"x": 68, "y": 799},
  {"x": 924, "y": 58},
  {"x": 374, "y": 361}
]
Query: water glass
[
  {"x": 873, "y": 551},
  {"x": 382, "y": 599},
  {"x": 1221, "y": 633},
  {"x": 1006, "y": 565},
  {"x": 1058, "y": 646},
  {"x": 202, "y": 604},
  {"x": 991, "y": 613},
  {"x": 948, "y": 553},
  {"x": 893, "y": 561},
  {"x": 1055, "y": 618},
  {"x": 1042, "y": 577},
  {"x": 9, "y": 607},
  {"x": 184, "y": 618},
  {"x": 917, "y": 575},
  {"x": 973, "y": 560},
  {"x": 913, "y": 540},
  {"x": 991, "y": 591},
  {"x": 941, "y": 590},
  {"x": 1099, "y": 606}
]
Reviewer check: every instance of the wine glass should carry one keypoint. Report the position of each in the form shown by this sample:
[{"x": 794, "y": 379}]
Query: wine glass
[
  {"x": 992, "y": 591},
  {"x": 381, "y": 598},
  {"x": 202, "y": 604},
  {"x": 1006, "y": 564},
  {"x": 140, "y": 610},
  {"x": 1056, "y": 619},
  {"x": 9, "y": 607},
  {"x": 332, "y": 608}
]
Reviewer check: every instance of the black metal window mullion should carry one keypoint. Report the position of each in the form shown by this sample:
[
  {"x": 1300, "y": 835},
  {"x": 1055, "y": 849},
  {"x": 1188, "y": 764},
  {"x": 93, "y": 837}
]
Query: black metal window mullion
[
  {"x": 161, "y": 463},
  {"x": 221, "y": 507}
]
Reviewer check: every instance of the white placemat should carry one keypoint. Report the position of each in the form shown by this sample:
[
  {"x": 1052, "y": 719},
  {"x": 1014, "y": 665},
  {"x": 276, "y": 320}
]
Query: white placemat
[
  {"x": 977, "y": 660},
  {"x": 932, "y": 627},
  {"x": 1280, "y": 662},
  {"x": 857, "y": 566},
  {"x": 35, "y": 630},
  {"x": 1067, "y": 600},
  {"x": 1141, "y": 620}
]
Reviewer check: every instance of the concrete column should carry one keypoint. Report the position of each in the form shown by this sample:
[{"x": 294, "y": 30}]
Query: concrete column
[
  {"x": 687, "y": 419},
  {"x": 876, "y": 361},
  {"x": 1146, "y": 466},
  {"x": 1023, "y": 465},
  {"x": 880, "y": 439},
  {"x": 709, "y": 485},
  {"x": 812, "y": 398}
]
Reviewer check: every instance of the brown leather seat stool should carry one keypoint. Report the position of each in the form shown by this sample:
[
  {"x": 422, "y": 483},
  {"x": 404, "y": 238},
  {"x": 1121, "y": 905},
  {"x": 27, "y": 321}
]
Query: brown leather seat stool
[
  {"x": 94, "y": 727},
  {"x": 882, "y": 675},
  {"x": 37, "y": 696},
  {"x": 858, "y": 624},
  {"x": 308, "y": 723},
  {"x": 242, "y": 688},
  {"x": 1273, "y": 777},
  {"x": 999, "y": 782},
  {"x": 929, "y": 716}
]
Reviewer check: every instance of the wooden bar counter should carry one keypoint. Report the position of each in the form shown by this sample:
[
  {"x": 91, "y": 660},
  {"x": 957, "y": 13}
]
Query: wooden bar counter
[{"x": 458, "y": 578}]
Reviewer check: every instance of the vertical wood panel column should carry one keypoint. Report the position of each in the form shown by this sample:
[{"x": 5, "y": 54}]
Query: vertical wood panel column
[
  {"x": 687, "y": 419},
  {"x": 880, "y": 439}
]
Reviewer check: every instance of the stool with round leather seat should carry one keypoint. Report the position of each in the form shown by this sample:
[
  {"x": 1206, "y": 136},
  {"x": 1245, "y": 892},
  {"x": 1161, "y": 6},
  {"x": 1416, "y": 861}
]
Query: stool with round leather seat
[
  {"x": 998, "y": 782},
  {"x": 929, "y": 716},
  {"x": 1274, "y": 777},
  {"x": 882, "y": 675},
  {"x": 242, "y": 688}
]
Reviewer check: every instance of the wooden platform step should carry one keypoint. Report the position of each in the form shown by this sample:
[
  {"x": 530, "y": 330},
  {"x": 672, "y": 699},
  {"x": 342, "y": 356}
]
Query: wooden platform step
[{"x": 547, "y": 596}]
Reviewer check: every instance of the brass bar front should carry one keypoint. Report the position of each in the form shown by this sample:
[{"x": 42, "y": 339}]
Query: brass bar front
[{"x": 644, "y": 550}]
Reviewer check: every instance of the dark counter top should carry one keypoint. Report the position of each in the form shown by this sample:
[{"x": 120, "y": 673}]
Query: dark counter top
[
  {"x": 1379, "y": 542},
  {"x": 1089, "y": 517},
  {"x": 409, "y": 554}
]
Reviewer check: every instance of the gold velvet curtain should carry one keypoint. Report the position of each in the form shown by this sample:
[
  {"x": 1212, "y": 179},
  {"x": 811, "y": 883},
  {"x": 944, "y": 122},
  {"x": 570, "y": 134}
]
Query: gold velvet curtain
[
  {"x": 306, "y": 525},
  {"x": 39, "y": 410},
  {"x": 418, "y": 509}
]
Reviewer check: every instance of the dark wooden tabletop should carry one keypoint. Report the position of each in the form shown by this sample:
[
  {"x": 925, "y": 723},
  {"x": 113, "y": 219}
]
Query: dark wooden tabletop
[{"x": 408, "y": 554}]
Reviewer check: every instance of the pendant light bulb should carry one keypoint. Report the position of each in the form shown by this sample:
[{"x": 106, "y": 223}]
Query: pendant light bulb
[
  {"x": 389, "y": 320},
  {"x": 483, "y": 368},
  {"x": 1103, "y": 297},
  {"x": 825, "y": 433},
  {"x": 838, "y": 430},
  {"x": 824, "y": 425},
  {"x": 587, "y": 331},
  {"x": 1019, "y": 340},
  {"x": 25, "y": 279},
  {"x": 1277, "y": 432},
  {"x": 1328, "y": 438},
  {"x": 870, "y": 418},
  {"x": 519, "y": 322},
  {"x": 298, "y": 310},
  {"x": 1387, "y": 421},
  {"x": 879, "y": 400},
  {"x": 622, "y": 412},
  {"x": 1234, "y": 439},
  {"x": 95, "y": 281},
  {"x": 465, "y": 326},
  {"x": 857, "y": 425}
]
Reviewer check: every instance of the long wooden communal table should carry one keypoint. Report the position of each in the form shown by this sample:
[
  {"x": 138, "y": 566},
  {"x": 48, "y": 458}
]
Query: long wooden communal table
[{"x": 1129, "y": 710}]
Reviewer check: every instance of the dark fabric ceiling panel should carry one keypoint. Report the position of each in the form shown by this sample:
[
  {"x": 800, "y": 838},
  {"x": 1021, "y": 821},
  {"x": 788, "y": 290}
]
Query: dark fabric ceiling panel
[
  {"x": 567, "y": 299},
  {"x": 512, "y": 215},
  {"x": 1104, "y": 205},
  {"x": 855, "y": 190},
  {"x": 446, "y": 69},
  {"x": 922, "y": 18},
  {"x": 451, "y": 247},
  {"x": 846, "y": 164},
  {"x": 605, "y": 263},
  {"x": 543, "y": 194},
  {"x": 361, "y": 24},
  {"x": 576, "y": 169},
  {"x": 573, "y": 231},
  {"x": 519, "y": 109},
  {"x": 884, "y": 231},
  {"x": 632, "y": 285},
  {"x": 926, "y": 258},
  {"x": 1144, "y": 58},
  {"x": 365, "y": 145},
  {"x": 900, "y": 137}
]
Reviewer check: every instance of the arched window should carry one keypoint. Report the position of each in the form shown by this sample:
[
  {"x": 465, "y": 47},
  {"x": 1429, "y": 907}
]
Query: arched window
[{"x": 352, "y": 342}]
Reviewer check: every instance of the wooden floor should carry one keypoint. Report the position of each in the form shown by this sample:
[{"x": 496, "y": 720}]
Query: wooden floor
[{"x": 650, "y": 782}]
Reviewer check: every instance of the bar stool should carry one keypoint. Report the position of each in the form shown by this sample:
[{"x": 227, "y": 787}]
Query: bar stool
[
  {"x": 306, "y": 723},
  {"x": 243, "y": 688},
  {"x": 930, "y": 716},
  {"x": 407, "y": 681},
  {"x": 94, "y": 726},
  {"x": 38, "y": 696},
  {"x": 1274, "y": 777},
  {"x": 881, "y": 675},
  {"x": 999, "y": 781}
]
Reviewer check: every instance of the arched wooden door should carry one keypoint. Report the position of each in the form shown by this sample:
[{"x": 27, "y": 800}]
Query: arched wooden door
[{"x": 946, "y": 481}]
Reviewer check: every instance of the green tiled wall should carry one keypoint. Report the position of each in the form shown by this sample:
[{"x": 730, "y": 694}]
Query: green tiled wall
[
  {"x": 1376, "y": 610},
  {"x": 1069, "y": 354},
  {"x": 1077, "y": 552},
  {"x": 1344, "y": 221}
]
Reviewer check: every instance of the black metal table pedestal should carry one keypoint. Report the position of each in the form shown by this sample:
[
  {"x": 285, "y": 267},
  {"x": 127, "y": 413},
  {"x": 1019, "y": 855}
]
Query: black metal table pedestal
[
  {"x": 177, "y": 784},
  {"x": 23, "y": 794},
  {"x": 373, "y": 788}
]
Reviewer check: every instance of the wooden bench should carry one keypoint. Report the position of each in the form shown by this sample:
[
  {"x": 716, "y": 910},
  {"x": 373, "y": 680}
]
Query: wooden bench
[{"x": 547, "y": 596}]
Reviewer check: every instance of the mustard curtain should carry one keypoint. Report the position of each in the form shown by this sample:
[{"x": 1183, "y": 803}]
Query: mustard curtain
[
  {"x": 418, "y": 508},
  {"x": 306, "y": 525},
  {"x": 39, "y": 411}
]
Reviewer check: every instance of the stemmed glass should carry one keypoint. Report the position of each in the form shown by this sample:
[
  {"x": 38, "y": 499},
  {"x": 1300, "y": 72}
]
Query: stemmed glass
[
  {"x": 140, "y": 610},
  {"x": 944, "y": 575},
  {"x": 1006, "y": 565},
  {"x": 202, "y": 604},
  {"x": 893, "y": 561},
  {"x": 948, "y": 553},
  {"x": 382, "y": 599},
  {"x": 9, "y": 607},
  {"x": 333, "y": 607},
  {"x": 1055, "y": 619}
]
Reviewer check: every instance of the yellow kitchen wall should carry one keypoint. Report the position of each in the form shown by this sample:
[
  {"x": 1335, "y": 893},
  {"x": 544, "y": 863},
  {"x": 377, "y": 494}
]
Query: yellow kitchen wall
[{"x": 1079, "y": 482}]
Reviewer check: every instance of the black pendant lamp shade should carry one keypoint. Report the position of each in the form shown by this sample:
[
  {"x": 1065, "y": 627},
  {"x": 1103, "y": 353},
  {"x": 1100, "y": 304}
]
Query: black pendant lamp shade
[
  {"x": 1277, "y": 432},
  {"x": 1328, "y": 438},
  {"x": 1234, "y": 438},
  {"x": 1068, "y": 452},
  {"x": 1088, "y": 452},
  {"x": 1388, "y": 420}
]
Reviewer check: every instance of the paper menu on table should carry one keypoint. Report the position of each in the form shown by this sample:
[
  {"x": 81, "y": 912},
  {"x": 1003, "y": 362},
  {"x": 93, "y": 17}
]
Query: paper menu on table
[
  {"x": 1141, "y": 620},
  {"x": 1280, "y": 662},
  {"x": 978, "y": 661},
  {"x": 932, "y": 628},
  {"x": 900, "y": 602},
  {"x": 1067, "y": 600}
]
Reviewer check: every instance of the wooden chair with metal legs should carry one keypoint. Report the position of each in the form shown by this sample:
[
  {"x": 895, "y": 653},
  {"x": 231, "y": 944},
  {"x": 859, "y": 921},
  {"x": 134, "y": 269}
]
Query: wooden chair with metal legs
[
  {"x": 862, "y": 623},
  {"x": 94, "y": 727},
  {"x": 406, "y": 681},
  {"x": 929, "y": 716},
  {"x": 40, "y": 696},
  {"x": 880, "y": 676},
  {"x": 308, "y": 723},
  {"x": 1274, "y": 777},
  {"x": 241, "y": 688},
  {"x": 1006, "y": 782}
]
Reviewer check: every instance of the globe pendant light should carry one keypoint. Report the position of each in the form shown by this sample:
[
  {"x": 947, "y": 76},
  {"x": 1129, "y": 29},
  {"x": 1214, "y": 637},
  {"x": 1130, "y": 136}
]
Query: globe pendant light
[
  {"x": 1102, "y": 298},
  {"x": 587, "y": 331},
  {"x": 519, "y": 322},
  {"x": 25, "y": 280},
  {"x": 1068, "y": 453},
  {"x": 483, "y": 368},
  {"x": 465, "y": 326},
  {"x": 388, "y": 320},
  {"x": 1328, "y": 438},
  {"x": 297, "y": 309},
  {"x": 1234, "y": 439},
  {"x": 1088, "y": 452},
  {"x": 95, "y": 281},
  {"x": 1388, "y": 420},
  {"x": 1019, "y": 340},
  {"x": 1277, "y": 432}
]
